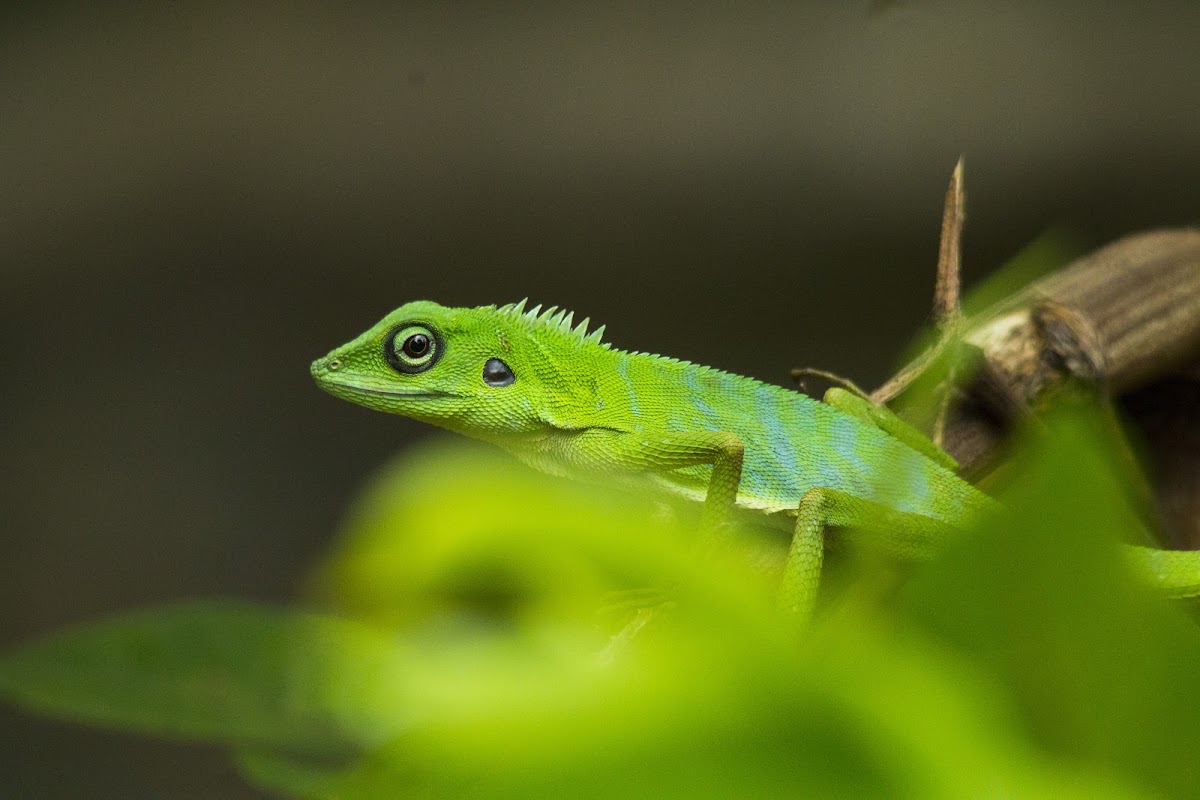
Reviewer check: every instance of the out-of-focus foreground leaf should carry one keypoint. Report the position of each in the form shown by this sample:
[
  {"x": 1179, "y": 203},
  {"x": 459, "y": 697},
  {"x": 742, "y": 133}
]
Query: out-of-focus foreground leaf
[
  {"x": 719, "y": 698},
  {"x": 215, "y": 671},
  {"x": 481, "y": 637},
  {"x": 1102, "y": 672}
]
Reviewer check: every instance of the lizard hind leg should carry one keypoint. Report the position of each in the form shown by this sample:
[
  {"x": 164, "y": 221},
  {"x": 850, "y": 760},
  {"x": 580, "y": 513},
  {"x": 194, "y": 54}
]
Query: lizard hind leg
[{"x": 897, "y": 533}]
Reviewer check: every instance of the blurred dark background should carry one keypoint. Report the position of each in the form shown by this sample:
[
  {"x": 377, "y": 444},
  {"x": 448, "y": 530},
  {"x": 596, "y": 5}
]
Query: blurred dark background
[{"x": 196, "y": 201}]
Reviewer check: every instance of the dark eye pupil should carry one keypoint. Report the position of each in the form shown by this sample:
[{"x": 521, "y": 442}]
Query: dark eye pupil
[
  {"x": 416, "y": 345},
  {"x": 497, "y": 373}
]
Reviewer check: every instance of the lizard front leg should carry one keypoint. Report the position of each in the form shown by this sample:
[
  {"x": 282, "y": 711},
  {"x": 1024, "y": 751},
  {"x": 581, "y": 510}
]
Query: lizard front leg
[
  {"x": 663, "y": 452},
  {"x": 668, "y": 451}
]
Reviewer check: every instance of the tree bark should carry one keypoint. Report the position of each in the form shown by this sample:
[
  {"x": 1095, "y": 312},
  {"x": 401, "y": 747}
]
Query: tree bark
[{"x": 1124, "y": 320}]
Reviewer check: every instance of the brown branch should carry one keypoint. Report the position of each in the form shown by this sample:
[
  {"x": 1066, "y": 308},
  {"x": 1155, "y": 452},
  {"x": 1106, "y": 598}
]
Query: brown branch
[
  {"x": 946, "y": 295},
  {"x": 1125, "y": 320},
  {"x": 946, "y": 314}
]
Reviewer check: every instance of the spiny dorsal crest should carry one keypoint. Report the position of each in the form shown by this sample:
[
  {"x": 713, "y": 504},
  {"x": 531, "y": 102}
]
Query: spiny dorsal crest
[{"x": 556, "y": 319}]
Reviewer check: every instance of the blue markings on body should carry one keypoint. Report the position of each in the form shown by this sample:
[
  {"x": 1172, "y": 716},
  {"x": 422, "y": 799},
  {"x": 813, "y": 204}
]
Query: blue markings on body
[
  {"x": 879, "y": 468},
  {"x": 692, "y": 381},
  {"x": 623, "y": 371},
  {"x": 793, "y": 442},
  {"x": 673, "y": 424},
  {"x": 785, "y": 459},
  {"x": 844, "y": 438},
  {"x": 918, "y": 494}
]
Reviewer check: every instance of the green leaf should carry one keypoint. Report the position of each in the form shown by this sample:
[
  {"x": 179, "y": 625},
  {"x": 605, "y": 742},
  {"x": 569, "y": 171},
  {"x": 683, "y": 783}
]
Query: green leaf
[
  {"x": 477, "y": 664},
  {"x": 1102, "y": 672},
  {"x": 716, "y": 698},
  {"x": 212, "y": 671},
  {"x": 288, "y": 775}
]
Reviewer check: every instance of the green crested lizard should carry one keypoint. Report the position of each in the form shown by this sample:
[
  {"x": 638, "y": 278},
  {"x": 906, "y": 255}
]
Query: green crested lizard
[{"x": 565, "y": 402}]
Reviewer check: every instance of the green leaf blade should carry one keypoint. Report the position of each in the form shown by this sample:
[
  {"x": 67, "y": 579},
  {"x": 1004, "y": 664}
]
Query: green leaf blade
[
  {"x": 209, "y": 671},
  {"x": 1103, "y": 672}
]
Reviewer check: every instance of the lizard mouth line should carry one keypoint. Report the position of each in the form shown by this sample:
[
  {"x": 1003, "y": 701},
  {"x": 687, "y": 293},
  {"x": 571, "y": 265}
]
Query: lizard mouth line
[{"x": 384, "y": 393}]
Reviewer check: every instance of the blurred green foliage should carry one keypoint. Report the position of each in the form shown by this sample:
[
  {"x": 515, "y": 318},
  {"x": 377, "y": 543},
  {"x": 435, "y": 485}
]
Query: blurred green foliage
[{"x": 486, "y": 632}]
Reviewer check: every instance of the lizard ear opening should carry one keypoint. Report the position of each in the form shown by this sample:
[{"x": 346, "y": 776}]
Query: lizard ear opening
[{"x": 497, "y": 373}]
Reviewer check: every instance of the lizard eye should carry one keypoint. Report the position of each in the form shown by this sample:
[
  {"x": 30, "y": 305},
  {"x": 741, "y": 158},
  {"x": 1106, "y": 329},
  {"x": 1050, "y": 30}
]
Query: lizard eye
[
  {"x": 416, "y": 346},
  {"x": 497, "y": 373},
  {"x": 412, "y": 348}
]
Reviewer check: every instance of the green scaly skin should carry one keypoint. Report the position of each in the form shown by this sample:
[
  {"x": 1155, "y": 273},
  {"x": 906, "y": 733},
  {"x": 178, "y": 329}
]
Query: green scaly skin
[{"x": 565, "y": 402}]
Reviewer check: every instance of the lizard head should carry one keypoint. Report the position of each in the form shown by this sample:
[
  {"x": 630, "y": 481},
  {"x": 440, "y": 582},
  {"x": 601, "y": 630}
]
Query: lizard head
[{"x": 485, "y": 372}]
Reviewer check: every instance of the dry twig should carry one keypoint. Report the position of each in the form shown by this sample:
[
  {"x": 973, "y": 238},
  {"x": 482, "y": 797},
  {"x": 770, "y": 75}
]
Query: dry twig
[{"x": 1124, "y": 320}]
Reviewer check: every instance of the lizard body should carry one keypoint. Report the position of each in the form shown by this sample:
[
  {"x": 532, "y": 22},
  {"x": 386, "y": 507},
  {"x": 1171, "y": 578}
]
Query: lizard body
[{"x": 565, "y": 402}]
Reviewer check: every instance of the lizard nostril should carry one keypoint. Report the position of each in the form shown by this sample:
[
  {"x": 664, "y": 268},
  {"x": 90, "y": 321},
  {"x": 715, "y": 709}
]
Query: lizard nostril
[{"x": 323, "y": 366}]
